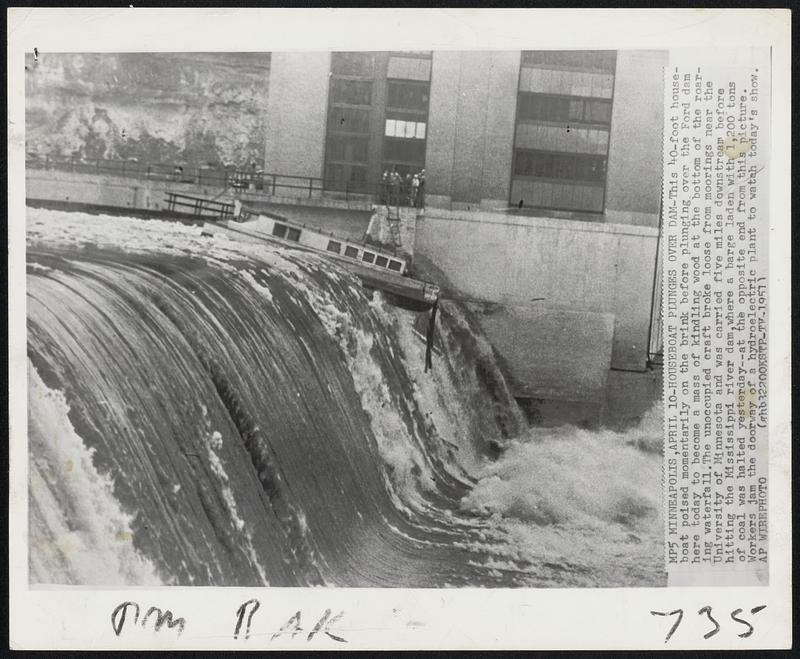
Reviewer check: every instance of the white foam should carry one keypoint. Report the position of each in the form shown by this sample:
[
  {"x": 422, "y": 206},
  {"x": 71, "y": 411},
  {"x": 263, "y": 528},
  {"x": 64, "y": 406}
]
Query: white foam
[
  {"x": 213, "y": 443},
  {"x": 79, "y": 532},
  {"x": 579, "y": 497}
]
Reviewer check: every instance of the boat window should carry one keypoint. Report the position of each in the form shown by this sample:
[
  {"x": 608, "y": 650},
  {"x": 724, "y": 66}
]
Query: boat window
[
  {"x": 352, "y": 252},
  {"x": 333, "y": 246},
  {"x": 368, "y": 257},
  {"x": 381, "y": 261},
  {"x": 395, "y": 265},
  {"x": 293, "y": 234},
  {"x": 279, "y": 230}
]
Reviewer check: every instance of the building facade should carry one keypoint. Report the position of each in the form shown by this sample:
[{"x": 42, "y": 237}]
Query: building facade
[{"x": 571, "y": 134}]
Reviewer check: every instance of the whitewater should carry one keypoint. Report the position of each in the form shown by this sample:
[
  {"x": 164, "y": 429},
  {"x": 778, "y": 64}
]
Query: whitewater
[{"x": 207, "y": 412}]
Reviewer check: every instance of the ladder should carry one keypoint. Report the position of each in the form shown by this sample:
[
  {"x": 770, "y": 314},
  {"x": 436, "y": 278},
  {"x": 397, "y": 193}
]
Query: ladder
[{"x": 393, "y": 219}]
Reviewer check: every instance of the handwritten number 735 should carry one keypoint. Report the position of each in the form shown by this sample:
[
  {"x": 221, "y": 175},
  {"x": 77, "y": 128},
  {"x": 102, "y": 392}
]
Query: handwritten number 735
[{"x": 706, "y": 611}]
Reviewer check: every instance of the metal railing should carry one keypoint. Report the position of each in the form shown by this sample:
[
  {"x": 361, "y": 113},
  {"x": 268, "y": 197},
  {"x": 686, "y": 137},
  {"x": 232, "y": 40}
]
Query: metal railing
[
  {"x": 198, "y": 206},
  {"x": 273, "y": 184}
]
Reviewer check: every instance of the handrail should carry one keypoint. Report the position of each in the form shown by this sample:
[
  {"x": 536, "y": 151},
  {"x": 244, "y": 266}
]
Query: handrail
[
  {"x": 176, "y": 202},
  {"x": 223, "y": 177},
  {"x": 174, "y": 197}
]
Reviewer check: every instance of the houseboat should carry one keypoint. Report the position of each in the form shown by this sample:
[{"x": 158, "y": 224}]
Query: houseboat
[{"x": 377, "y": 268}]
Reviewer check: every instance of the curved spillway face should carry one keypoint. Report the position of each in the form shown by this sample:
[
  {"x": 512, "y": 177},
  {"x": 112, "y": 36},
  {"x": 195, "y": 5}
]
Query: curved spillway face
[{"x": 210, "y": 413}]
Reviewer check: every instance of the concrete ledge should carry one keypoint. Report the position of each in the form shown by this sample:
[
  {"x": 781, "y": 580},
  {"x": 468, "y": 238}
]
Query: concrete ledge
[
  {"x": 319, "y": 200},
  {"x": 558, "y": 224},
  {"x": 437, "y": 200},
  {"x": 631, "y": 218}
]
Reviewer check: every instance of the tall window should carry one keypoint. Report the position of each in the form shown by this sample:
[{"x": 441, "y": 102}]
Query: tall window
[
  {"x": 349, "y": 120},
  {"x": 377, "y": 117},
  {"x": 407, "y": 95},
  {"x": 564, "y": 106}
]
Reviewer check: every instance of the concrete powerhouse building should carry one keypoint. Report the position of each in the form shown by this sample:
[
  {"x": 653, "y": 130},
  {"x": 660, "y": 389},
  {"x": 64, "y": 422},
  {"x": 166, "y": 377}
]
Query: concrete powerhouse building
[{"x": 572, "y": 131}]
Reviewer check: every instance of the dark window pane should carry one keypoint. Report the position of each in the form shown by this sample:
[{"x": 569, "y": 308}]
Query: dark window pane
[
  {"x": 562, "y": 109},
  {"x": 279, "y": 230},
  {"x": 544, "y": 107},
  {"x": 368, "y": 257},
  {"x": 588, "y": 60},
  {"x": 562, "y": 166},
  {"x": 404, "y": 151},
  {"x": 347, "y": 148},
  {"x": 351, "y": 92},
  {"x": 407, "y": 96},
  {"x": 395, "y": 265},
  {"x": 537, "y": 106},
  {"x": 548, "y": 164},
  {"x": 523, "y": 165},
  {"x": 334, "y": 176},
  {"x": 333, "y": 246},
  {"x": 352, "y": 252},
  {"x": 565, "y": 167},
  {"x": 523, "y": 106},
  {"x": 598, "y": 169},
  {"x": 293, "y": 234},
  {"x": 538, "y": 166},
  {"x": 598, "y": 112},
  {"x": 348, "y": 120},
  {"x": 352, "y": 63},
  {"x": 576, "y": 110},
  {"x": 381, "y": 261},
  {"x": 358, "y": 175}
]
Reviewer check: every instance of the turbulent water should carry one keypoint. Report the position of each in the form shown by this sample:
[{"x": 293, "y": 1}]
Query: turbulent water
[{"x": 203, "y": 412}]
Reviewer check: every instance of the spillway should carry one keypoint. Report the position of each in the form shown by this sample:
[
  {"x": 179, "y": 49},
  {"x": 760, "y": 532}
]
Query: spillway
[{"x": 204, "y": 412}]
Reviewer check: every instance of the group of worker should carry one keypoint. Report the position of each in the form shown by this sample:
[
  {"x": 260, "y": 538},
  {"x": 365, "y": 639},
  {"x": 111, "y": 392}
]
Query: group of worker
[
  {"x": 408, "y": 190},
  {"x": 395, "y": 188}
]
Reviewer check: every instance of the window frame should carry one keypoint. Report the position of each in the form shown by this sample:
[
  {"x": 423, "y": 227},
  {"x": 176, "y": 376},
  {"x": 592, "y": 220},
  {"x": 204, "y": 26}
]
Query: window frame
[
  {"x": 343, "y": 55},
  {"x": 337, "y": 79},
  {"x": 523, "y": 97},
  {"x": 583, "y": 67},
  {"x": 597, "y": 173},
  {"x": 550, "y": 163},
  {"x": 424, "y": 87}
]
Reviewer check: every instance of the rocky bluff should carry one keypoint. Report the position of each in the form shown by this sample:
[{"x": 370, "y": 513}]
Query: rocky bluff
[{"x": 188, "y": 108}]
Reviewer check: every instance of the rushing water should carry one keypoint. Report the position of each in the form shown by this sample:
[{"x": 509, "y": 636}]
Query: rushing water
[{"x": 209, "y": 413}]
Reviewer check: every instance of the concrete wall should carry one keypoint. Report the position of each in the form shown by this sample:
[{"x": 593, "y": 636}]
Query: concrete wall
[
  {"x": 471, "y": 127},
  {"x": 574, "y": 266},
  {"x": 296, "y": 113},
  {"x": 442, "y": 115},
  {"x": 111, "y": 191},
  {"x": 551, "y": 353},
  {"x": 633, "y": 188},
  {"x": 120, "y": 192}
]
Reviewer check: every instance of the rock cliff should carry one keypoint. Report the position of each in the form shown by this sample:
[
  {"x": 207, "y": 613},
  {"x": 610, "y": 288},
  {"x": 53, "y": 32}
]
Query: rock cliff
[{"x": 189, "y": 108}]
